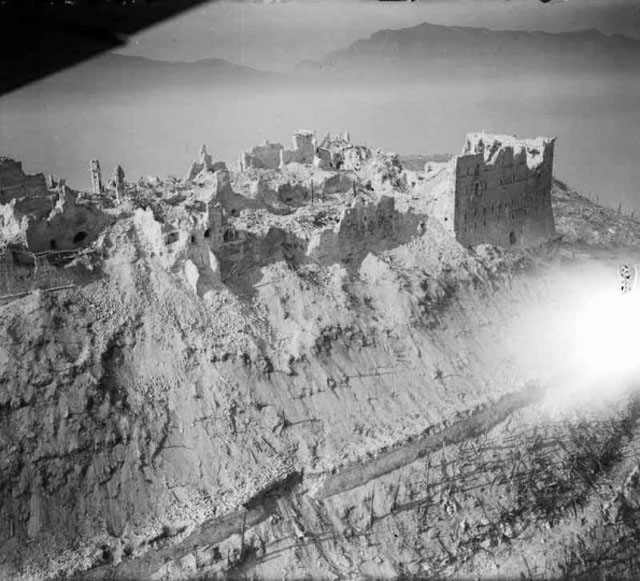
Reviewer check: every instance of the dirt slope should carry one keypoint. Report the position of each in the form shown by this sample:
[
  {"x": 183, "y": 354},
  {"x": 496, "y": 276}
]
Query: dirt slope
[{"x": 376, "y": 419}]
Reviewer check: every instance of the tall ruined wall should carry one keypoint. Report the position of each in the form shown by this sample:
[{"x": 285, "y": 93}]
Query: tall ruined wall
[
  {"x": 503, "y": 191},
  {"x": 14, "y": 183},
  {"x": 364, "y": 227},
  {"x": 440, "y": 185},
  {"x": 303, "y": 151},
  {"x": 265, "y": 156}
]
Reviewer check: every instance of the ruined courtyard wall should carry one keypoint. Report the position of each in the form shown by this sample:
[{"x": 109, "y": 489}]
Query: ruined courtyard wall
[
  {"x": 441, "y": 190},
  {"x": 69, "y": 227},
  {"x": 504, "y": 202},
  {"x": 14, "y": 183},
  {"x": 265, "y": 156},
  {"x": 303, "y": 149},
  {"x": 363, "y": 228}
]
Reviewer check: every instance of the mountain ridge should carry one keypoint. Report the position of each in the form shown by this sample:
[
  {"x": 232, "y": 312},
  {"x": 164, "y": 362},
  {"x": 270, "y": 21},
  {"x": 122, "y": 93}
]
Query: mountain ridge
[{"x": 463, "y": 48}]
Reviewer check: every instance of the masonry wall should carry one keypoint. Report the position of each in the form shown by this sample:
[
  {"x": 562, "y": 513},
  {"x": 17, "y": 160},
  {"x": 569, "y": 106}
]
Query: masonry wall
[
  {"x": 504, "y": 202},
  {"x": 15, "y": 184},
  {"x": 266, "y": 156}
]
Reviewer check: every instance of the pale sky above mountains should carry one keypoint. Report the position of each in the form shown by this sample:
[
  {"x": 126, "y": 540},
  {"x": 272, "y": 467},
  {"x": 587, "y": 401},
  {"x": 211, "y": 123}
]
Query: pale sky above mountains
[{"x": 276, "y": 35}]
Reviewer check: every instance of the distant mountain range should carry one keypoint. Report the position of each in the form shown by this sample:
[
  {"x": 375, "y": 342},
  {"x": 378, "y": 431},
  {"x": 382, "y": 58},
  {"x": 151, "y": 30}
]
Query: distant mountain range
[
  {"x": 126, "y": 74},
  {"x": 429, "y": 48}
]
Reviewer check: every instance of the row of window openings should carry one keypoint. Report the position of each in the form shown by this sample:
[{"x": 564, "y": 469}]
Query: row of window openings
[
  {"x": 512, "y": 214},
  {"x": 496, "y": 210},
  {"x": 476, "y": 170},
  {"x": 476, "y": 186}
]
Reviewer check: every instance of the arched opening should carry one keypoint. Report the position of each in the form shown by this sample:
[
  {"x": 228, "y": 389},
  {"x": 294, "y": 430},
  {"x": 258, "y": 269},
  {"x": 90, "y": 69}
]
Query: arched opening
[
  {"x": 79, "y": 237},
  {"x": 228, "y": 236},
  {"x": 53, "y": 245},
  {"x": 207, "y": 233},
  {"x": 193, "y": 239},
  {"x": 512, "y": 237}
]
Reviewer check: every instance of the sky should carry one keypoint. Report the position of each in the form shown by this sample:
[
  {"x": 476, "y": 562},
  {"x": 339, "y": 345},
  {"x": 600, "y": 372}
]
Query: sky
[{"x": 276, "y": 35}]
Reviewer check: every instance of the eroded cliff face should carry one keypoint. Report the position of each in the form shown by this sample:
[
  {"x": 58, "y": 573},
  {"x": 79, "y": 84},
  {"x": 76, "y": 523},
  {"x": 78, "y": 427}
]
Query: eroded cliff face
[{"x": 271, "y": 412}]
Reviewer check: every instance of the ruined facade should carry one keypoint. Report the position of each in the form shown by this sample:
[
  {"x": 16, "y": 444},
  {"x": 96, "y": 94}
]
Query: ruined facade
[
  {"x": 304, "y": 148},
  {"x": 498, "y": 191},
  {"x": 274, "y": 155},
  {"x": 205, "y": 163},
  {"x": 265, "y": 156},
  {"x": 14, "y": 183}
]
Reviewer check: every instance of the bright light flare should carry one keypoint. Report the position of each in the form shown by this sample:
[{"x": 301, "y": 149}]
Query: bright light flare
[
  {"x": 584, "y": 340},
  {"x": 607, "y": 338}
]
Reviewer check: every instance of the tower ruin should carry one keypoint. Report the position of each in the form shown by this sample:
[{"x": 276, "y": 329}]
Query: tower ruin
[
  {"x": 96, "y": 176},
  {"x": 498, "y": 191}
]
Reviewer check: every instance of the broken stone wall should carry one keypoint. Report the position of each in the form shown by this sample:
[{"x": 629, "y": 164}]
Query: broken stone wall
[
  {"x": 265, "y": 156},
  {"x": 14, "y": 183},
  {"x": 366, "y": 226},
  {"x": 503, "y": 193},
  {"x": 70, "y": 226},
  {"x": 304, "y": 149},
  {"x": 293, "y": 194},
  {"x": 440, "y": 187}
]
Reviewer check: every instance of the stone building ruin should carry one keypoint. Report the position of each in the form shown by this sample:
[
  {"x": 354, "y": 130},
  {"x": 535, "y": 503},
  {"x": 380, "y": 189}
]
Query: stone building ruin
[
  {"x": 265, "y": 156},
  {"x": 304, "y": 148},
  {"x": 204, "y": 164},
  {"x": 96, "y": 176},
  {"x": 14, "y": 183},
  {"x": 498, "y": 191}
]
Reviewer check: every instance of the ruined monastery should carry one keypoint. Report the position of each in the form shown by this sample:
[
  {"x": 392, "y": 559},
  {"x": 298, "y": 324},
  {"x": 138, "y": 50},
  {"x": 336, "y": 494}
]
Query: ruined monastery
[{"x": 323, "y": 199}]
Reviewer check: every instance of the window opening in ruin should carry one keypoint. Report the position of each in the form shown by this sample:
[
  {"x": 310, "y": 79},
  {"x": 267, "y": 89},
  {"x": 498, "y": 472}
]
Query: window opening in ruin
[
  {"x": 207, "y": 233},
  {"x": 476, "y": 188},
  {"x": 79, "y": 237},
  {"x": 53, "y": 245},
  {"x": 228, "y": 236},
  {"x": 512, "y": 237},
  {"x": 193, "y": 239}
]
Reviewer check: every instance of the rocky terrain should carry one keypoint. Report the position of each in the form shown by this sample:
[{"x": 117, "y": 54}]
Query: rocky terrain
[{"x": 300, "y": 373}]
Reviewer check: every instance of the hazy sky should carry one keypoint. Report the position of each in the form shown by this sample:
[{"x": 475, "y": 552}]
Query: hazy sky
[{"x": 277, "y": 35}]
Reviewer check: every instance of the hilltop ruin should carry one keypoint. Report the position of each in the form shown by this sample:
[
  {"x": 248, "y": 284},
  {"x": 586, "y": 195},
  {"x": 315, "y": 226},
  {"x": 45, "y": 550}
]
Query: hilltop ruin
[
  {"x": 328, "y": 198},
  {"x": 253, "y": 373}
]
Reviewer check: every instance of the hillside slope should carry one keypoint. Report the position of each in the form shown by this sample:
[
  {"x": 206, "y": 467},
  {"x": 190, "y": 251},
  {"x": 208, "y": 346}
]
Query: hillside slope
[{"x": 380, "y": 416}]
